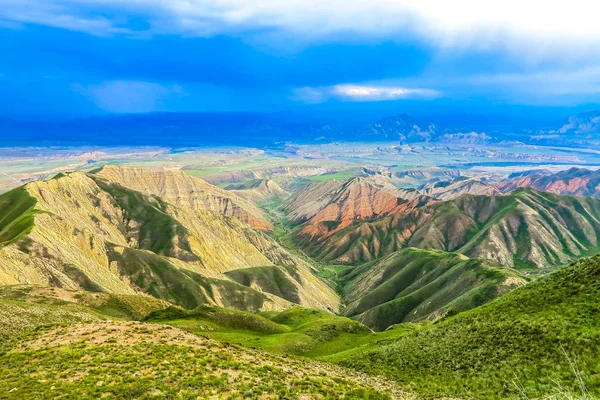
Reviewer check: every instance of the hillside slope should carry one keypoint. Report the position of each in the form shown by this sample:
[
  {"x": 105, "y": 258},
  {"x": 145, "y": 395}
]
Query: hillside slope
[
  {"x": 414, "y": 284},
  {"x": 525, "y": 229},
  {"x": 326, "y": 208},
  {"x": 25, "y": 308},
  {"x": 532, "y": 342},
  {"x": 181, "y": 189},
  {"x": 134, "y": 360},
  {"x": 94, "y": 234},
  {"x": 448, "y": 190},
  {"x": 574, "y": 181}
]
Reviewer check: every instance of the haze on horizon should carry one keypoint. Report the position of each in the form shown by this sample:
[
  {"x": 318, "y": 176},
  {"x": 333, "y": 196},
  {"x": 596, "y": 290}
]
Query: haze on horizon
[{"x": 73, "y": 58}]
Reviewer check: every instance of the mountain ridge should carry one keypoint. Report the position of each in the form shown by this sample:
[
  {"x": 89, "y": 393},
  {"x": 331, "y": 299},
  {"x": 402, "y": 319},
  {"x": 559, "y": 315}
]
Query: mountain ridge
[
  {"x": 527, "y": 228},
  {"x": 97, "y": 235}
]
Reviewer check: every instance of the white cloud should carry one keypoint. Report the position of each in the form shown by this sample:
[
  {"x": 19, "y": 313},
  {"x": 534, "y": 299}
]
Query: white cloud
[
  {"x": 536, "y": 25},
  {"x": 59, "y": 14},
  {"x": 352, "y": 92},
  {"x": 129, "y": 96}
]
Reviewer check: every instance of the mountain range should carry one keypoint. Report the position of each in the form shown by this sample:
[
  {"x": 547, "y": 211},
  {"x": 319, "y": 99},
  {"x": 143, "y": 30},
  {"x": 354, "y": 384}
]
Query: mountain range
[
  {"x": 128, "y": 282},
  {"x": 524, "y": 229},
  {"x": 96, "y": 232},
  {"x": 330, "y": 206},
  {"x": 574, "y": 181},
  {"x": 273, "y": 129}
]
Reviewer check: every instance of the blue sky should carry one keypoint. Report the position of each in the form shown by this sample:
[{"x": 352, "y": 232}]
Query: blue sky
[{"x": 84, "y": 57}]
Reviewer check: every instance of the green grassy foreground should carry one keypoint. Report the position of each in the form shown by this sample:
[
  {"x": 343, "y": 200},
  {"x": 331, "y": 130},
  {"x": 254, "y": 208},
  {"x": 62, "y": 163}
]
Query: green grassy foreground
[
  {"x": 73, "y": 345},
  {"x": 540, "y": 340},
  {"x": 536, "y": 341}
]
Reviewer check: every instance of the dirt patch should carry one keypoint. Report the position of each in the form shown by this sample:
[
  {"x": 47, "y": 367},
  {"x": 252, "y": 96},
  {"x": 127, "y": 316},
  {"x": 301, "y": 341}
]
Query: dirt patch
[{"x": 122, "y": 333}]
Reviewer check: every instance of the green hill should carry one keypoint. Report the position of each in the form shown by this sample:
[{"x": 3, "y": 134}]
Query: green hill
[
  {"x": 526, "y": 229},
  {"x": 299, "y": 331},
  {"x": 414, "y": 284},
  {"x": 125, "y": 360},
  {"x": 17, "y": 215},
  {"x": 535, "y": 341},
  {"x": 74, "y": 344},
  {"x": 27, "y": 308}
]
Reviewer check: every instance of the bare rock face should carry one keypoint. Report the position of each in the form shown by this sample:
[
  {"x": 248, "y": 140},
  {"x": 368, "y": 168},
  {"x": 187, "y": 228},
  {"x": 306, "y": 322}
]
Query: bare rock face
[
  {"x": 307, "y": 202},
  {"x": 176, "y": 187}
]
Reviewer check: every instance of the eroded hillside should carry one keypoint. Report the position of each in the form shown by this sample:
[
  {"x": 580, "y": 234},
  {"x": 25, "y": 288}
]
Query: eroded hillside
[
  {"x": 92, "y": 233},
  {"x": 181, "y": 189},
  {"x": 525, "y": 229}
]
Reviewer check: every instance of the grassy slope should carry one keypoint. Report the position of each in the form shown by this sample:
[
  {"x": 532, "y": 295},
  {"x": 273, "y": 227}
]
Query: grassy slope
[
  {"x": 27, "y": 308},
  {"x": 156, "y": 230},
  {"x": 16, "y": 215},
  {"x": 56, "y": 342},
  {"x": 130, "y": 361},
  {"x": 298, "y": 331},
  {"x": 270, "y": 279},
  {"x": 519, "y": 337},
  {"x": 414, "y": 284},
  {"x": 156, "y": 276}
]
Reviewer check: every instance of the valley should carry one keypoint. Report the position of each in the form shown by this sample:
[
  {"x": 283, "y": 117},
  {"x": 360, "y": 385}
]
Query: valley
[
  {"x": 299, "y": 200},
  {"x": 325, "y": 279}
]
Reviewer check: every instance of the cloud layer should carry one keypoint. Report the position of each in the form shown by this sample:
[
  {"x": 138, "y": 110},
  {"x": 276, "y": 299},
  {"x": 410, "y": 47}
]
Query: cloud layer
[
  {"x": 544, "y": 24},
  {"x": 136, "y": 55},
  {"x": 353, "y": 92}
]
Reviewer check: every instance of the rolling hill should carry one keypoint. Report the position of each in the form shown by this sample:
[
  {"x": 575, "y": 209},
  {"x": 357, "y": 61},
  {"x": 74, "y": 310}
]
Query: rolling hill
[
  {"x": 90, "y": 345},
  {"x": 539, "y": 341},
  {"x": 25, "y": 308},
  {"x": 525, "y": 229},
  {"x": 414, "y": 284},
  {"x": 81, "y": 231}
]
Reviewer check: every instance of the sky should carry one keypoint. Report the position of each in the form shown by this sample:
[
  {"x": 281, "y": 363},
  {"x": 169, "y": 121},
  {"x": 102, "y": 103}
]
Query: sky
[{"x": 89, "y": 57}]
